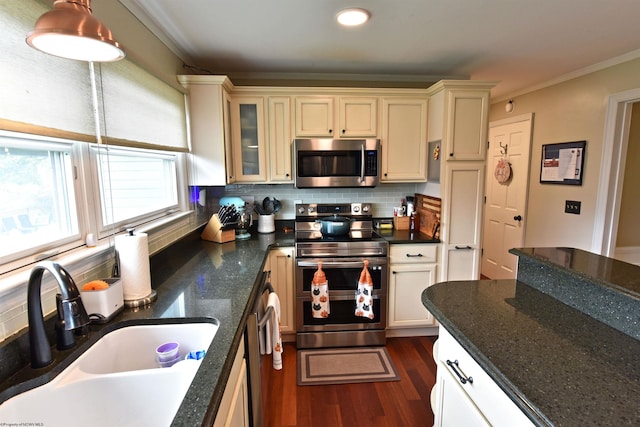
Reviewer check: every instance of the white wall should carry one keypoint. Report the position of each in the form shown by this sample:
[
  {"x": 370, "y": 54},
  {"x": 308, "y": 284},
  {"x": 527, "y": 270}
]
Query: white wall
[{"x": 570, "y": 111}]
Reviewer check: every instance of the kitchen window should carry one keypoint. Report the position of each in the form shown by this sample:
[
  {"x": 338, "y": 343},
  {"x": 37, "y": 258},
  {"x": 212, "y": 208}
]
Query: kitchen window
[
  {"x": 134, "y": 186},
  {"x": 38, "y": 196},
  {"x": 55, "y": 191}
]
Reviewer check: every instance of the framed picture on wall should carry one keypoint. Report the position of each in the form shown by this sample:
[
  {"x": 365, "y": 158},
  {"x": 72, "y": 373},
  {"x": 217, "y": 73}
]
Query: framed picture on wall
[{"x": 563, "y": 163}]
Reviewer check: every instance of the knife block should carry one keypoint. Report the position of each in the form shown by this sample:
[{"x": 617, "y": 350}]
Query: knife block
[{"x": 214, "y": 232}]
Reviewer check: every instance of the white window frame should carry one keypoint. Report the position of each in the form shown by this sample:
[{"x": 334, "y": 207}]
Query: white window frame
[
  {"x": 113, "y": 228},
  {"x": 87, "y": 199},
  {"x": 37, "y": 253}
]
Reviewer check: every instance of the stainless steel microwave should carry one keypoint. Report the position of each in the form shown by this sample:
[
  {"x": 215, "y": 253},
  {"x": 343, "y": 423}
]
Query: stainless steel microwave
[{"x": 336, "y": 162}]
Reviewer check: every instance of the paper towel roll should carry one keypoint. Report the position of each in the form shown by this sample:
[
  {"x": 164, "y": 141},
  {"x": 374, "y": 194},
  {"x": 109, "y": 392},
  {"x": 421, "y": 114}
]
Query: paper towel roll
[{"x": 133, "y": 252}]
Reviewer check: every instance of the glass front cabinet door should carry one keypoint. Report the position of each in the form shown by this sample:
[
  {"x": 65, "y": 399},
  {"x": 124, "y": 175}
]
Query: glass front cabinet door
[{"x": 248, "y": 139}]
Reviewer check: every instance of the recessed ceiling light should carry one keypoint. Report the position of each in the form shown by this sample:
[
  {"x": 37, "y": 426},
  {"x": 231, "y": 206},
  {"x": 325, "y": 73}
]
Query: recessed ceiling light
[{"x": 352, "y": 17}]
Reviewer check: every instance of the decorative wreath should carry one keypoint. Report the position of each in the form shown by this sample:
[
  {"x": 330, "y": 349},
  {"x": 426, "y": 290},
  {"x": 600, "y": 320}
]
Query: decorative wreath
[{"x": 503, "y": 171}]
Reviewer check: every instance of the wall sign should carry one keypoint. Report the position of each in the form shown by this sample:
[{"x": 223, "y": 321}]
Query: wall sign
[{"x": 563, "y": 163}]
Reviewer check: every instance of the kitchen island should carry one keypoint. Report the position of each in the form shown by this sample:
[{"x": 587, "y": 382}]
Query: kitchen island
[{"x": 553, "y": 340}]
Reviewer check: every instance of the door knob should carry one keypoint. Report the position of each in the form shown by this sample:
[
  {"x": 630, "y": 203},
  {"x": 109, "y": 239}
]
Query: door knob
[{"x": 517, "y": 218}]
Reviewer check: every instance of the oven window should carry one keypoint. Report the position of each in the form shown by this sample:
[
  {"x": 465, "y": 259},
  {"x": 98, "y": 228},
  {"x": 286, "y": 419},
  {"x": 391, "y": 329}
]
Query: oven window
[
  {"x": 342, "y": 313},
  {"x": 341, "y": 279},
  {"x": 329, "y": 163}
]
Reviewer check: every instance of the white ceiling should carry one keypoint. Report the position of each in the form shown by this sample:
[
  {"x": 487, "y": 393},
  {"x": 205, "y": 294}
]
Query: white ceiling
[{"x": 520, "y": 43}]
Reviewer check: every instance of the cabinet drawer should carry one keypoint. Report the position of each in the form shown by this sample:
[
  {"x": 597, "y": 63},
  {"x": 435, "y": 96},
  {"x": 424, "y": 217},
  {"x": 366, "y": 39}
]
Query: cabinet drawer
[
  {"x": 413, "y": 253},
  {"x": 489, "y": 398}
]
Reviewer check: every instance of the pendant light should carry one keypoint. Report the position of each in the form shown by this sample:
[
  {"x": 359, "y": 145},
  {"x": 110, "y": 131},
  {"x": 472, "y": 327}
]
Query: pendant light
[{"x": 69, "y": 30}]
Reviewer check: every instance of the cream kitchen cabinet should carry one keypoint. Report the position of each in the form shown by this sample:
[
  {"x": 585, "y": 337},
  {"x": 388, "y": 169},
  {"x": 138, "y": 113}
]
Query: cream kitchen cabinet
[
  {"x": 234, "y": 406},
  {"x": 466, "y": 394},
  {"x": 357, "y": 116},
  {"x": 209, "y": 126},
  {"x": 404, "y": 140},
  {"x": 248, "y": 140},
  {"x": 279, "y": 119},
  {"x": 413, "y": 268},
  {"x": 281, "y": 264},
  {"x": 459, "y": 117},
  {"x": 461, "y": 229}
]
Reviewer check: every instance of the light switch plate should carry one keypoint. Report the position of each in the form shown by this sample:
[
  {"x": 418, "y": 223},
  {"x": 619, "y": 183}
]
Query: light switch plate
[{"x": 572, "y": 207}]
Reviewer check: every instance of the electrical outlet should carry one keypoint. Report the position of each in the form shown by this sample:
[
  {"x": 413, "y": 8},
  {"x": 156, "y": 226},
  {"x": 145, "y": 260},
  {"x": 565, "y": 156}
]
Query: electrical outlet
[{"x": 572, "y": 207}]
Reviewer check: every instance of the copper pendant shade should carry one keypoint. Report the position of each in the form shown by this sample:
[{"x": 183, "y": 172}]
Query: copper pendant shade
[{"x": 69, "y": 30}]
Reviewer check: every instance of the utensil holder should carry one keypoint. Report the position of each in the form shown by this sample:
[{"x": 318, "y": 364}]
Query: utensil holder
[{"x": 266, "y": 224}]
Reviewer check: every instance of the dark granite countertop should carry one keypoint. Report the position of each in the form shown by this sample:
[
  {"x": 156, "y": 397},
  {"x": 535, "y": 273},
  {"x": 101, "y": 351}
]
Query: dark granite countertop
[
  {"x": 559, "y": 365},
  {"x": 195, "y": 279},
  {"x": 198, "y": 279},
  {"x": 405, "y": 236}
]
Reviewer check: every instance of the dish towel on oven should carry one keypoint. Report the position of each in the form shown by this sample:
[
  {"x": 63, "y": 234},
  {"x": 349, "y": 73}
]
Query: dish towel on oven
[
  {"x": 274, "y": 339},
  {"x": 320, "y": 294},
  {"x": 364, "y": 294}
]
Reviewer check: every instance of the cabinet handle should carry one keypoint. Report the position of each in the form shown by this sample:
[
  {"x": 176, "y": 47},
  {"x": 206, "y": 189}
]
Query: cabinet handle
[
  {"x": 463, "y": 247},
  {"x": 462, "y": 377},
  {"x": 517, "y": 218},
  {"x": 413, "y": 256},
  {"x": 393, "y": 272}
]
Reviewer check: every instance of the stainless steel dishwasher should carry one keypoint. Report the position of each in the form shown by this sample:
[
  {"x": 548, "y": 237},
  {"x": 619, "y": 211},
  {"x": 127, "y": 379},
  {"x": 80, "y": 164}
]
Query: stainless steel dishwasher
[{"x": 257, "y": 320}]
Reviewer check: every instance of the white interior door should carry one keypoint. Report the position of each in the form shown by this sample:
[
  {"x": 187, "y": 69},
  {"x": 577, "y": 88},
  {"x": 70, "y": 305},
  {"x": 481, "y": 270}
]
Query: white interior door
[{"x": 506, "y": 203}]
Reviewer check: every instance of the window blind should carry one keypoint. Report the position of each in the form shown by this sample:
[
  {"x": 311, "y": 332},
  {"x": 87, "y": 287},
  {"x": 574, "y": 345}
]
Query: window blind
[
  {"x": 42, "y": 94},
  {"x": 36, "y": 88}
]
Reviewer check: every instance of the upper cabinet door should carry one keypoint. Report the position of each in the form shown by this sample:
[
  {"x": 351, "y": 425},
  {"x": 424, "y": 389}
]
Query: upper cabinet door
[
  {"x": 315, "y": 116},
  {"x": 358, "y": 117},
  {"x": 248, "y": 139},
  {"x": 280, "y": 139},
  {"x": 208, "y": 132},
  {"x": 467, "y": 124},
  {"x": 404, "y": 140}
]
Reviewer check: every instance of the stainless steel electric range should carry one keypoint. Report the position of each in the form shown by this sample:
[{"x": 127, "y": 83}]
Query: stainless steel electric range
[{"x": 342, "y": 260}]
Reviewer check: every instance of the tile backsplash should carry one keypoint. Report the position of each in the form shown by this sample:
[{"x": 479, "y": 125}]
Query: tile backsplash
[{"x": 383, "y": 197}]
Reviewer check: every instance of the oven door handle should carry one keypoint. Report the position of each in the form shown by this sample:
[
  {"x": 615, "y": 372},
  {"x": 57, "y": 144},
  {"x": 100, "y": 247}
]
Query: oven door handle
[{"x": 336, "y": 264}]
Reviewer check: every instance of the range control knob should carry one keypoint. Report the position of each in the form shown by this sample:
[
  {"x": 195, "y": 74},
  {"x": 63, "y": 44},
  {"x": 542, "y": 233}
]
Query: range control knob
[
  {"x": 365, "y": 208},
  {"x": 356, "y": 208},
  {"x": 311, "y": 209},
  {"x": 301, "y": 210}
]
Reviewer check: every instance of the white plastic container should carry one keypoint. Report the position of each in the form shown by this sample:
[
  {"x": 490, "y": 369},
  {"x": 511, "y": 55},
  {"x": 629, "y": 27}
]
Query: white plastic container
[{"x": 104, "y": 303}]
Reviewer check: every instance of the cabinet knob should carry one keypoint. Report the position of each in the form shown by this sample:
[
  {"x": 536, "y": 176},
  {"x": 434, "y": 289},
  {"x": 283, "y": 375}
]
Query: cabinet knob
[
  {"x": 287, "y": 175},
  {"x": 450, "y": 154},
  {"x": 330, "y": 130},
  {"x": 385, "y": 174},
  {"x": 344, "y": 131}
]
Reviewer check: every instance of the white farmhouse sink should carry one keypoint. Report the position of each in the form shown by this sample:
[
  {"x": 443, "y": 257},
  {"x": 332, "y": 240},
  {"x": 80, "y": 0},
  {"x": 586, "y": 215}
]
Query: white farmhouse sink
[{"x": 116, "y": 382}]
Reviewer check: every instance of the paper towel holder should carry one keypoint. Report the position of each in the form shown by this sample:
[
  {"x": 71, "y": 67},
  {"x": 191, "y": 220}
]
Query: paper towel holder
[{"x": 138, "y": 302}]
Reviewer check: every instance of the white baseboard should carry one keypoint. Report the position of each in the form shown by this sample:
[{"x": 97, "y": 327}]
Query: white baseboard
[
  {"x": 630, "y": 254},
  {"x": 427, "y": 331}
]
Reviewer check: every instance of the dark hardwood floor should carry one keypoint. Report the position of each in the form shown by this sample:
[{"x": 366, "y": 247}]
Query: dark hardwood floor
[{"x": 397, "y": 403}]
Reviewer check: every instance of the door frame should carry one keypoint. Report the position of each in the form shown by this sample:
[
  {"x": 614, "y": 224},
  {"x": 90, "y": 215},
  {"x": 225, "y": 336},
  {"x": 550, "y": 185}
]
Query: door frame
[
  {"x": 510, "y": 120},
  {"x": 612, "y": 165}
]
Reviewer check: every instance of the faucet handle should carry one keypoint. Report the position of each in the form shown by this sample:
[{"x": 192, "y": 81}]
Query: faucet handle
[{"x": 64, "y": 336}]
